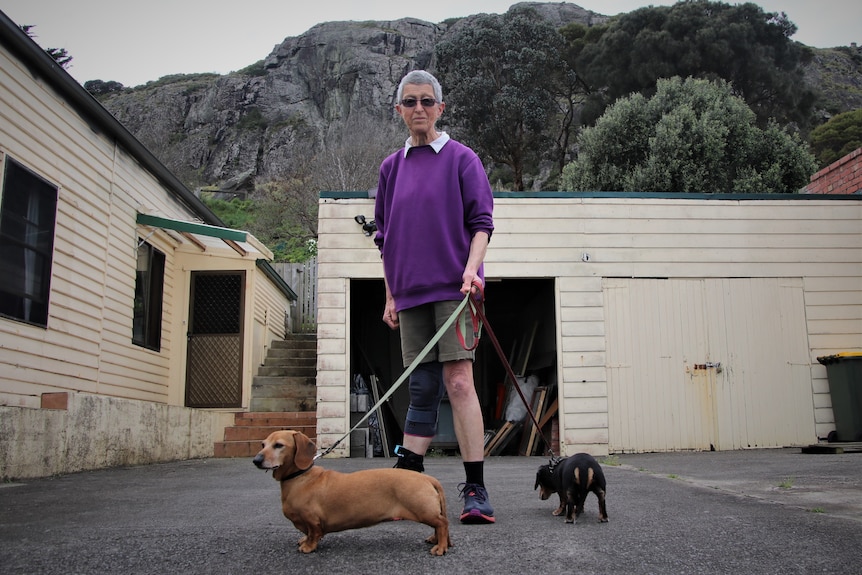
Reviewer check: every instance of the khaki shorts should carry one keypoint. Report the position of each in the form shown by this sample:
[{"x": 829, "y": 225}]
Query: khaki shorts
[{"x": 419, "y": 324}]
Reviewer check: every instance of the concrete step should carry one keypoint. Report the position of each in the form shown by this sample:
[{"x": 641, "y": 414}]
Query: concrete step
[
  {"x": 257, "y": 433},
  {"x": 244, "y": 437},
  {"x": 270, "y": 418},
  {"x": 284, "y": 403},
  {"x": 295, "y": 342},
  {"x": 263, "y": 382},
  {"x": 283, "y": 387},
  {"x": 286, "y": 370},
  {"x": 293, "y": 354}
]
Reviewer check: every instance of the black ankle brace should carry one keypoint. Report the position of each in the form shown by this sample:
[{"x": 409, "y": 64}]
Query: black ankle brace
[{"x": 409, "y": 460}]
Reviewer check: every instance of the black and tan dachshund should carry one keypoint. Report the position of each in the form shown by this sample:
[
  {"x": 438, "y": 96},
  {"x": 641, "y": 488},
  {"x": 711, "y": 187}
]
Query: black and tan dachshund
[{"x": 573, "y": 478}]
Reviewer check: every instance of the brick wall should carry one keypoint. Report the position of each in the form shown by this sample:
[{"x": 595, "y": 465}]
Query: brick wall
[{"x": 843, "y": 176}]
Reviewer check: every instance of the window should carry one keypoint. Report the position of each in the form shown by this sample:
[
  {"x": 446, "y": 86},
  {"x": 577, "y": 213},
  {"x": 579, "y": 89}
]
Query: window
[
  {"x": 149, "y": 291},
  {"x": 28, "y": 212}
]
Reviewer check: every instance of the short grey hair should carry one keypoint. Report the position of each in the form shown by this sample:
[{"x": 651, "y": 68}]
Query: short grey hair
[{"x": 420, "y": 78}]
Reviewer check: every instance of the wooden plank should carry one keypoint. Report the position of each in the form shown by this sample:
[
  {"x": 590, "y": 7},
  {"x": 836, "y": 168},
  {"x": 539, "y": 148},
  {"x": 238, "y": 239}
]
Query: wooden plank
[
  {"x": 549, "y": 413},
  {"x": 526, "y": 350},
  {"x": 381, "y": 426},
  {"x": 504, "y": 429},
  {"x": 540, "y": 415},
  {"x": 528, "y": 438},
  {"x": 542, "y": 418},
  {"x": 506, "y": 438}
]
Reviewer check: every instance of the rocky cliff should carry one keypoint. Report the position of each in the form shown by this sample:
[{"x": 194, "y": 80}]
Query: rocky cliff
[{"x": 229, "y": 132}]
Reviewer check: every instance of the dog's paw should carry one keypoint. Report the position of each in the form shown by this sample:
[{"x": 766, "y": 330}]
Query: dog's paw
[
  {"x": 439, "y": 550},
  {"x": 603, "y": 519},
  {"x": 439, "y": 547},
  {"x": 306, "y": 546}
]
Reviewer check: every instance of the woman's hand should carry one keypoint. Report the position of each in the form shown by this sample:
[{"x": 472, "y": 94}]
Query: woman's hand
[{"x": 390, "y": 316}]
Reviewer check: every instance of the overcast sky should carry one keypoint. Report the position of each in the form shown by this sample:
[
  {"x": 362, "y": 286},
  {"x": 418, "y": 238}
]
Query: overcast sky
[{"x": 136, "y": 42}]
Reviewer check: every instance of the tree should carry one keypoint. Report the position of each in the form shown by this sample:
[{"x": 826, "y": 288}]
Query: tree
[
  {"x": 100, "y": 88},
  {"x": 740, "y": 43},
  {"x": 691, "y": 136},
  {"x": 286, "y": 218},
  {"x": 505, "y": 77},
  {"x": 838, "y": 137},
  {"x": 60, "y": 55},
  {"x": 282, "y": 212},
  {"x": 352, "y": 152},
  {"x": 586, "y": 105}
]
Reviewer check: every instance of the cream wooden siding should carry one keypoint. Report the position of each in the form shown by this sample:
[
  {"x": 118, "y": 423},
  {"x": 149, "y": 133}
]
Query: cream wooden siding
[
  {"x": 268, "y": 320},
  {"x": 817, "y": 241},
  {"x": 87, "y": 345}
]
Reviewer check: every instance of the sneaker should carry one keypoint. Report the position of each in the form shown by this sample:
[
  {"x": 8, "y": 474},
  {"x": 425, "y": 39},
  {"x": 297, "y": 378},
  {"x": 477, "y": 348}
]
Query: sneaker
[{"x": 477, "y": 508}]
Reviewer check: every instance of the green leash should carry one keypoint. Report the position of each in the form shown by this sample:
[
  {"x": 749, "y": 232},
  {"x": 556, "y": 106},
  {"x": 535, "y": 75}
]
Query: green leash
[{"x": 446, "y": 325}]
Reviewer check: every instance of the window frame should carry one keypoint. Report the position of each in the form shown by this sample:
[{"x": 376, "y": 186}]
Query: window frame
[
  {"x": 149, "y": 296},
  {"x": 28, "y": 225}
]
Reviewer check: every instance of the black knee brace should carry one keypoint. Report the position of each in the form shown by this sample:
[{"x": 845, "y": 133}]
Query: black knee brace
[{"x": 426, "y": 392}]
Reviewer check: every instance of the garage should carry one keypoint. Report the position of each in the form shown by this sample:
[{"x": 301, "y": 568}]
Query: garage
[{"x": 663, "y": 322}]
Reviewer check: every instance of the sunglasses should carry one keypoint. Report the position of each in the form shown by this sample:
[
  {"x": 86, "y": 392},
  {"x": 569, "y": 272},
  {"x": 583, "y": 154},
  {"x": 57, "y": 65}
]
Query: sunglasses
[{"x": 411, "y": 102}]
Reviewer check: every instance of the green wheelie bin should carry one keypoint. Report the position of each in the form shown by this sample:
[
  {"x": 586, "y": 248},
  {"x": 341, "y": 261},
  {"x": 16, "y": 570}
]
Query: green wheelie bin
[{"x": 844, "y": 372}]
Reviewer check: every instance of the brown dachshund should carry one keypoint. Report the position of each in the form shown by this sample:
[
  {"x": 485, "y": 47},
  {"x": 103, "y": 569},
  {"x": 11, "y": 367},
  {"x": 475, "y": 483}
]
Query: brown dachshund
[{"x": 320, "y": 501}]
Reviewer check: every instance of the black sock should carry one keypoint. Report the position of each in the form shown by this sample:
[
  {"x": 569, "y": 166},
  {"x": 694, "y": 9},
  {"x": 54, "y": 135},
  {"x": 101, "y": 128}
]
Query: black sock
[{"x": 475, "y": 472}]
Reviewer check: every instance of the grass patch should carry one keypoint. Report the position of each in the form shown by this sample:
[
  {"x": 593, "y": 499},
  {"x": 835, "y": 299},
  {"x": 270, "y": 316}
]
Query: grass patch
[
  {"x": 787, "y": 483},
  {"x": 611, "y": 460}
]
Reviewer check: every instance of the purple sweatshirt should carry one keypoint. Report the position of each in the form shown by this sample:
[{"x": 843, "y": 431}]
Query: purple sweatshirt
[{"x": 429, "y": 205}]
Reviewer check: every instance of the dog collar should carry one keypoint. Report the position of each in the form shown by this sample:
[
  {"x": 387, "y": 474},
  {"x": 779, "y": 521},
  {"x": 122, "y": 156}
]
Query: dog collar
[{"x": 296, "y": 474}]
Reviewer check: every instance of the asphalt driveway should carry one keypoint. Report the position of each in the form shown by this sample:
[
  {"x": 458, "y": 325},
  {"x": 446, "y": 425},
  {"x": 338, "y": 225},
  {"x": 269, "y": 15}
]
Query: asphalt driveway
[{"x": 763, "y": 511}]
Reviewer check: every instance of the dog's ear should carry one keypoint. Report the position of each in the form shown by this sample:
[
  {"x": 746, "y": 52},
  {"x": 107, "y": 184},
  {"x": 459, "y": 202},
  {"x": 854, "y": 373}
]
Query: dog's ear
[
  {"x": 305, "y": 448},
  {"x": 539, "y": 476}
]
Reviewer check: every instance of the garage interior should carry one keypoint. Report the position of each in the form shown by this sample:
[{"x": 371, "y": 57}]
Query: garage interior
[{"x": 521, "y": 313}]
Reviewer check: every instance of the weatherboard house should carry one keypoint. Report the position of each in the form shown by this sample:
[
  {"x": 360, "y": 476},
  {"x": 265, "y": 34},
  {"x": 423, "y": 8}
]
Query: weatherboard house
[{"x": 130, "y": 318}]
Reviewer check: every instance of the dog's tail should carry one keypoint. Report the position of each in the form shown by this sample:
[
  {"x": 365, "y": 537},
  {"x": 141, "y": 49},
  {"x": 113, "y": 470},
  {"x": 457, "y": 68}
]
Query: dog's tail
[{"x": 442, "y": 495}]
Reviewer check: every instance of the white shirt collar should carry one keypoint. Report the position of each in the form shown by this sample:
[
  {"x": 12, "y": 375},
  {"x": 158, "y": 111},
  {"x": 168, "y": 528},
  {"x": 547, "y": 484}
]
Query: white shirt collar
[{"x": 437, "y": 144}]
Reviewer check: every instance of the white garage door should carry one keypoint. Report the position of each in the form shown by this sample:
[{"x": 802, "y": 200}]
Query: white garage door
[{"x": 707, "y": 364}]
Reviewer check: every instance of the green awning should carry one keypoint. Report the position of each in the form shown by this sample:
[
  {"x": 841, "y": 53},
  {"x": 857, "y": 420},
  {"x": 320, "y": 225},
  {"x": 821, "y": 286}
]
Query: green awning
[
  {"x": 192, "y": 228},
  {"x": 229, "y": 236}
]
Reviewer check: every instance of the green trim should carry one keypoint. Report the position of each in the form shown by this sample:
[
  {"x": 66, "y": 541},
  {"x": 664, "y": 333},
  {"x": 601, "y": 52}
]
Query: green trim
[
  {"x": 270, "y": 272},
  {"x": 345, "y": 195},
  {"x": 676, "y": 196},
  {"x": 192, "y": 228},
  {"x": 630, "y": 195}
]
